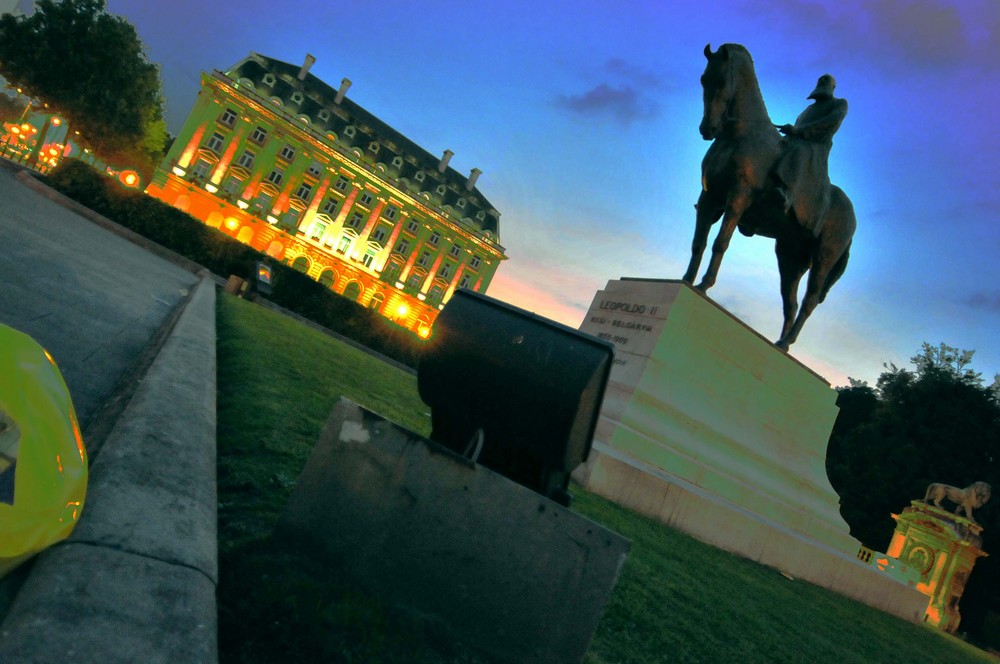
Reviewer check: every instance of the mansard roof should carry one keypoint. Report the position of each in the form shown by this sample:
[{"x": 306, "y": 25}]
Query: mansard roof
[{"x": 355, "y": 127}]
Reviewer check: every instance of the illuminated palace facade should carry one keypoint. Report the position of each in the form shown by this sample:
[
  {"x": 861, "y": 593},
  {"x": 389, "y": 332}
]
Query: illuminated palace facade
[{"x": 277, "y": 159}]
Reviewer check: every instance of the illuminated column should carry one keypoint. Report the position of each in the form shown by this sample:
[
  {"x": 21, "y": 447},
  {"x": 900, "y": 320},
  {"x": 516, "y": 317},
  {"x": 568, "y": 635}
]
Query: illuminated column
[
  {"x": 409, "y": 263},
  {"x": 227, "y": 156},
  {"x": 346, "y": 207},
  {"x": 359, "y": 244},
  {"x": 454, "y": 282},
  {"x": 310, "y": 213},
  {"x": 293, "y": 179},
  {"x": 383, "y": 255},
  {"x": 431, "y": 274},
  {"x": 263, "y": 164},
  {"x": 197, "y": 121}
]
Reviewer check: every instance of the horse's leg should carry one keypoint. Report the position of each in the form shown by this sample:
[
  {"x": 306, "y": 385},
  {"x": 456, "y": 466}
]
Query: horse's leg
[
  {"x": 707, "y": 214},
  {"x": 738, "y": 204},
  {"x": 821, "y": 267},
  {"x": 792, "y": 264}
]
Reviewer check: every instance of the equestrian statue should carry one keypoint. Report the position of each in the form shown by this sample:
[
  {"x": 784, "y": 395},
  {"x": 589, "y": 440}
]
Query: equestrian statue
[{"x": 771, "y": 180}]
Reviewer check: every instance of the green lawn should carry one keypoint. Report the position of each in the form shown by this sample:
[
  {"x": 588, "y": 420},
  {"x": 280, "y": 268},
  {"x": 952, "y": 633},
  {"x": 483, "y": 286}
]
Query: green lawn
[{"x": 678, "y": 600}]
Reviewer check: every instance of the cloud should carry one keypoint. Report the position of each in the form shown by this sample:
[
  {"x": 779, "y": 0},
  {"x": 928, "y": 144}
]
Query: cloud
[
  {"x": 623, "y": 96},
  {"x": 985, "y": 301},
  {"x": 622, "y": 103}
]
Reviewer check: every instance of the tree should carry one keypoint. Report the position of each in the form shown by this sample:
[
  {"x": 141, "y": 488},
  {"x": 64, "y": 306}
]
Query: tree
[
  {"x": 91, "y": 67},
  {"x": 937, "y": 423}
]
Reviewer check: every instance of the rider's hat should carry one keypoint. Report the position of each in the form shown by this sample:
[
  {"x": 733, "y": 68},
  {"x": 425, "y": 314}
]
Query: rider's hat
[{"x": 824, "y": 87}]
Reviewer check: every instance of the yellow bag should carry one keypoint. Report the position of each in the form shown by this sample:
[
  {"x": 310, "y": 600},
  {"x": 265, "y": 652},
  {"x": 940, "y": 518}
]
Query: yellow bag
[{"x": 43, "y": 462}]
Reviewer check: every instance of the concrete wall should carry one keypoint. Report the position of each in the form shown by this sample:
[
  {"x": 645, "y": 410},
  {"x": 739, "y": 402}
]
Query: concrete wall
[{"x": 506, "y": 570}]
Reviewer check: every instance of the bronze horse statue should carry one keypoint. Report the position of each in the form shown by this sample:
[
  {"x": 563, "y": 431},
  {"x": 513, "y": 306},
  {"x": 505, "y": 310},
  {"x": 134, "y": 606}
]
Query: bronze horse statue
[{"x": 737, "y": 185}]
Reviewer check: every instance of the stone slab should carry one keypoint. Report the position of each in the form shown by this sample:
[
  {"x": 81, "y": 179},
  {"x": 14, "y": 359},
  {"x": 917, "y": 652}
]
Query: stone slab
[{"x": 506, "y": 570}]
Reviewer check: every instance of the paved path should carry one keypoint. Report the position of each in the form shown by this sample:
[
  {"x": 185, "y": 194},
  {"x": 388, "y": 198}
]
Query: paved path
[
  {"x": 135, "y": 582},
  {"x": 91, "y": 298}
]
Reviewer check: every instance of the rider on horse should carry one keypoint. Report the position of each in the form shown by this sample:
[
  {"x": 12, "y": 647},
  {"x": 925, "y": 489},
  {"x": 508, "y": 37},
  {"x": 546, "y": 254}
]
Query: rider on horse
[{"x": 802, "y": 173}]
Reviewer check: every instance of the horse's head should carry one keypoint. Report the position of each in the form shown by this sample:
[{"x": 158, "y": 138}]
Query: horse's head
[{"x": 717, "y": 90}]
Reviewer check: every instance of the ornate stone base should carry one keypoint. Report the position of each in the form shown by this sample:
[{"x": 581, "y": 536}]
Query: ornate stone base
[
  {"x": 709, "y": 428},
  {"x": 942, "y": 547}
]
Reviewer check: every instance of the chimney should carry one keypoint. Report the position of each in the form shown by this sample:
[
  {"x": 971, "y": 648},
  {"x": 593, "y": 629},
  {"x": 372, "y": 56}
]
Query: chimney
[
  {"x": 445, "y": 158},
  {"x": 344, "y": 84},
  {"x": 473, "y": 176},
  {"x": 305, "y": 67}
]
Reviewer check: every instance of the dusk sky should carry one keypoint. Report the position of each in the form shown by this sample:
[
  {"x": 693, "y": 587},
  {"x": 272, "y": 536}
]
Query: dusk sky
[{"x": 583, "y": 117}]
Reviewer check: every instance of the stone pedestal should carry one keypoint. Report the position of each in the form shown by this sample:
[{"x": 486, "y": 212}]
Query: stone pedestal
[
  {"x": 709, "y": 428},
  {"x": 502, "y": 568},
  {"x": 943, "y": 548}
]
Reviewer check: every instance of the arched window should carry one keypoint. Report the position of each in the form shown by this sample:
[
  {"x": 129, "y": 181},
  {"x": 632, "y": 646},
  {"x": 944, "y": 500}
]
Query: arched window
[
  {"x": 352, "y": 291},
  {"x": 301, "y": 264},
  {"x": 214, "y": 219},
  {"x": 328, "y": 278},
  {"x": 275, "y": 249},
  {"x": 245, "y": 235},
  {"x": 375, "y": 304}
]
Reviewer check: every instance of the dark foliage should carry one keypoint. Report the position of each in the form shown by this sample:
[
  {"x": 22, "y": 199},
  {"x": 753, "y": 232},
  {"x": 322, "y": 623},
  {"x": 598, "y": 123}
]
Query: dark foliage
[
  {"x": 223, "y": 255},
  {"x": 92, "y": 67},
  {"x": 935, "y": 424}
]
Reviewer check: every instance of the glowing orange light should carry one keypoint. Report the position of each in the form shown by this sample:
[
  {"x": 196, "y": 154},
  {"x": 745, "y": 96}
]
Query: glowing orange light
[
  {"x": 53, "y": 161},
  {"x": 25, "y": 127},
  {"x": 232, "y": 223},
  {"x": 15, "y": 130},
  {"x": 56, "y": 122},
  {"x": 53, "y": 152},
  {"x": 129, "y": 178},
  {"x": 424, "y": 331},
  {"x": 59, "y": 463},
  {"x": 402, "y": 309}
]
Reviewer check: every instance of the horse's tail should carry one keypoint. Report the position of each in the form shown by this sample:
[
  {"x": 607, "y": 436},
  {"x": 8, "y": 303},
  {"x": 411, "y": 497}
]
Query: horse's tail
[{"x": 835, "y": 273}]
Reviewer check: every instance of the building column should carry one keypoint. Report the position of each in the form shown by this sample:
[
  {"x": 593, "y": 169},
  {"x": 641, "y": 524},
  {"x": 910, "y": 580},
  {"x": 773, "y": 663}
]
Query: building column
[
  {"x": 310, "y": 213},
  {"x": 431, "y": 273},
  {"x": 383, "y": 255},
  {"x": 227, "y": 157}
]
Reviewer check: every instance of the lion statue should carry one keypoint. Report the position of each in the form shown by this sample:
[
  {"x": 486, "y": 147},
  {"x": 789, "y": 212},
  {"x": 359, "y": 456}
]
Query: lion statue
[{"x": 974, "y": 495}]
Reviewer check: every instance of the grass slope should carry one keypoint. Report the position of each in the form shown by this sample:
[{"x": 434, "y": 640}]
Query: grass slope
[{"x": 678, "y": 600}]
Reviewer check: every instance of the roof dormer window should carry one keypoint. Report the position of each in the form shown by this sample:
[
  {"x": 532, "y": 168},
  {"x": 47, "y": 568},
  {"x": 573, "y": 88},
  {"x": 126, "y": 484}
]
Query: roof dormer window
[{"x": 269, "y": 79}]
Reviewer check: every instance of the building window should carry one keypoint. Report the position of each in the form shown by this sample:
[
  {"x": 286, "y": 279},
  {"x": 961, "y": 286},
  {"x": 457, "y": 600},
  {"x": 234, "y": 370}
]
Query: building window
[
  {"x": 355, "y": 220},
  {"x": 268, "y": 79},
  {"x": 412, "y": 226},
  {"x": 445, "y": 271},
  {"x": 304, "y": 190},
  {"x": 200, "y": 169},
  {"x": 330, "y": 205},
  {"x": 434, "y": 238},
  {"x": 344, "y": 244},
  {"x": 274, "y": 177},
  {"x": 246, "y": 159},
  {"x": 228, "y": 118},
  {"x": 474, "y": 263},
  {"x": 464, "y": 283},
  {"x": 287, "y": 153},
  {"x": 425, "y": 259},
  {"x": 215, "y": 142},
  {"x": 324, "y": 114},
  {"x": 233, "y": 186},
  {"x": 402, "y": 247},
  {"x": 263, "y": 202},
  {"x": 375, "y": 304},
  {"x": 342, "y": 183},
  {"x": 314, "y": 169},
  {"x": 366, "y": 199},
  {"x": 259, "y": 135},
  {"x": 368, "y": 258},
  {"x": 292, "y": 218},
  {"x": 455, "y": 250},
  {"x": 317, "y": 230},
  {"x": 390, "y": 272},
  {"x": 391, "y": 211},
  {"x": 379, "y": 235},
  {"x": 414, "y": 281},
  {"x": 297, "y": 97},
  {"x": 435, "y": 293}
]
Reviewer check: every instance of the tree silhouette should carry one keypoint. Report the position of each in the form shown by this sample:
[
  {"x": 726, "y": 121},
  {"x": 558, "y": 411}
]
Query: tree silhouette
[
  {"x": 90, "y": 67},
  {"x": 937, "y": 423}
]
